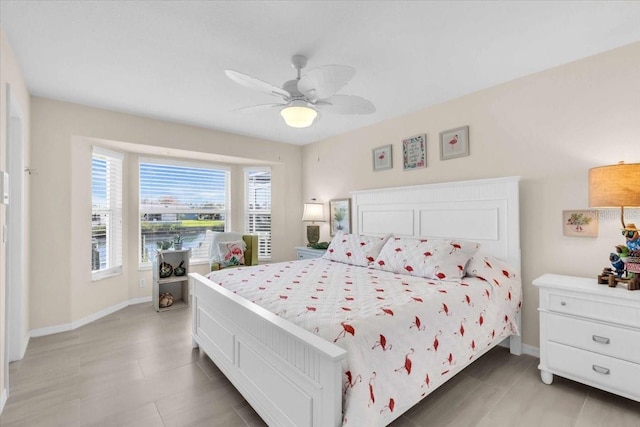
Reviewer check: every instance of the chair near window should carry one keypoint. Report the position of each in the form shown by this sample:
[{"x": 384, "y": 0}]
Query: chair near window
[{"x": 231, "y": 249}]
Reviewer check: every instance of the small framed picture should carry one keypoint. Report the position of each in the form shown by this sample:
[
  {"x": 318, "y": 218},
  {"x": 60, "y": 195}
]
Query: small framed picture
[
  {"x": 454, "y": 143},
  {"x": 382, "y": 158},
  {"x": 580, "y": 223},
  {"x": 414, "y": 152},
  {"x": 340, "y": 211}
]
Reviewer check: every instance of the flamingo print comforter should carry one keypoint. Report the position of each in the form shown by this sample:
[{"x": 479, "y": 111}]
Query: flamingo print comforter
[{"x": 404, "y": 335}]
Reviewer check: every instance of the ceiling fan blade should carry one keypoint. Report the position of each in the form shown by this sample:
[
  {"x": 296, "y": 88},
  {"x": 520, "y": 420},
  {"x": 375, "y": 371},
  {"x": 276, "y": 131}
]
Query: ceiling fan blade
[
  {"x": 253, "y": 83},
  {"x": 346, "y": 104},
  {"x": 322, "y": 82},
  {"x": 254, "y": 108}
]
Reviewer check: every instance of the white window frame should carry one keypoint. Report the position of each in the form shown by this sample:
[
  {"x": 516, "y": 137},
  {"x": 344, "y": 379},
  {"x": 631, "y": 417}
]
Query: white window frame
[
  {"x": 262, "y": 254},
  {"x": 114, "y": 227},
  {"x": 189, "y": 164}
]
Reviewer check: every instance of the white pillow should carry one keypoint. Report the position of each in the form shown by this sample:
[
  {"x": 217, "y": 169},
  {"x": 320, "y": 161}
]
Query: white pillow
[
  {"x": 354, "y": 249},
  {"x": 490, "y": 269},
  {"x": 431, "y": 258},
  {"x": 221, "y": 237}
]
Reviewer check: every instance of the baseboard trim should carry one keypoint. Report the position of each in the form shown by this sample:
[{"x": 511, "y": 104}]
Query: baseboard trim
[
  {"x": 531, "y": 350},
  {"x": 526, "y": 348},
  {"x": 3, "y": 399},
  {"x": 50, "y": 330},
  {"x": 25, "y": 344}
]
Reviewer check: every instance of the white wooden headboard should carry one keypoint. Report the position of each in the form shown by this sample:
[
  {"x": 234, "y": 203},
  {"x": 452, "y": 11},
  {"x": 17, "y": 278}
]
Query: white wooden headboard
[{"x": 486, "y": 211}]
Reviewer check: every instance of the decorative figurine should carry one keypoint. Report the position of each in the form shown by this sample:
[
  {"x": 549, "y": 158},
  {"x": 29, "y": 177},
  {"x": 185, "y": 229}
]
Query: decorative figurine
[
  {"x": 165, "y": 270},
  {"x": 165, "y": 300},
  {"x": 625, "y": 261},
  {"x": 616, "y": 262},
  {"x": 630, "y": 232},
  {"x": 180, "y": 270}
]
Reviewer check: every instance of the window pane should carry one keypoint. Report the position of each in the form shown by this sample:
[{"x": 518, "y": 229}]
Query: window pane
[
  {"x": 189, "y": 201},
  {"x": 258, "y": 209},
  {"x": 106, "y": 215},
  {"x": 195, "y": 230}
]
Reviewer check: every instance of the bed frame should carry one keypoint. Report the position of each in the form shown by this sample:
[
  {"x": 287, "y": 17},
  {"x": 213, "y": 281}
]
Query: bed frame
[{"x": 292, "y": 377}]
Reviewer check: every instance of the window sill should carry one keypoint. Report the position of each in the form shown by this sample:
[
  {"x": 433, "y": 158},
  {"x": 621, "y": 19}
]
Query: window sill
[{"x": 106, "y": 273}]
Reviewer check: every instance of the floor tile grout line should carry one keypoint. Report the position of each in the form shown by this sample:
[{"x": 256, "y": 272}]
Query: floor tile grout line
[
  {"x": 155, "y": 405},
  {"x": 584, "y": 404}
]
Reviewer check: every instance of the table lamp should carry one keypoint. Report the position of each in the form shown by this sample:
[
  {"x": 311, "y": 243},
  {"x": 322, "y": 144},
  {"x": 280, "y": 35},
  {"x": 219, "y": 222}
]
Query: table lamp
[
  {"x": 313, "y": 212},
  {"x": 615, "y": 186}
]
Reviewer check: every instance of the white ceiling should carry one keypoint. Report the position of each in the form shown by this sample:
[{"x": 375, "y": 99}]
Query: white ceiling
[{"x": 167, "y": 59}]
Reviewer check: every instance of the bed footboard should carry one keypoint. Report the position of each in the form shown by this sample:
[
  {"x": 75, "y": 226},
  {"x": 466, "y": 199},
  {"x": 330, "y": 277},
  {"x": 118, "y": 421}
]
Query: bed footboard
[{"x": 290, "y": 376}]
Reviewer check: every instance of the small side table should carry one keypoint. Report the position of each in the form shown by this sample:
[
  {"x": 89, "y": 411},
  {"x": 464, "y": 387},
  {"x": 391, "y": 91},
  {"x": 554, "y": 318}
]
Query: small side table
[{"x": 304, "y": 252}]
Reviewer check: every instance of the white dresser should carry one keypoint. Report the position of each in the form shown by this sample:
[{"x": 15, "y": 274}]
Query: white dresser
[
  {"x": 590, "y": 333},
  {"x": 304, "y": 252}
]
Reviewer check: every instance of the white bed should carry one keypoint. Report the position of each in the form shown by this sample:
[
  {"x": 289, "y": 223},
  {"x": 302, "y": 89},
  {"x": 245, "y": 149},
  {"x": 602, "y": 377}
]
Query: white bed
[{"x": 292, "y": 376}]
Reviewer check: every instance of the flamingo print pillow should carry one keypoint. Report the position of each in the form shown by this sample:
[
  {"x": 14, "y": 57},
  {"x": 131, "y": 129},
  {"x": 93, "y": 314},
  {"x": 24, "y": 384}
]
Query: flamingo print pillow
[
  {"x": 354, "y": 249},
  {"x": 231, "y": 253},
  {"x": 430, "y": 258},
  {"x": 490, "y": 269}
]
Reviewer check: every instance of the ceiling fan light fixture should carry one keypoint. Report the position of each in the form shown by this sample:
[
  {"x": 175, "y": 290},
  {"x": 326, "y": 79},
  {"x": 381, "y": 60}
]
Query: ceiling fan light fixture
[{"x": 298, "y": 114}]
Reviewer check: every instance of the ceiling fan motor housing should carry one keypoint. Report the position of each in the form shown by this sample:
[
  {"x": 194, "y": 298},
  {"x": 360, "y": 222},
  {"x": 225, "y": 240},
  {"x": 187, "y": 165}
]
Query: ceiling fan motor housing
[{"x": 291, "y": 86}]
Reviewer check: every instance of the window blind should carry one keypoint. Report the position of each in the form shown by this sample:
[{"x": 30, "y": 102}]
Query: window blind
[
  {"x": 190, "y": 200},
  {"x": 106, "y": 213},
  {"x": 258, "y": 208}
]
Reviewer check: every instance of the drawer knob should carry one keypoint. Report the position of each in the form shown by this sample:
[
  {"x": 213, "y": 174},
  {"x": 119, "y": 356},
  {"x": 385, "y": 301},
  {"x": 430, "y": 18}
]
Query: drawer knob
[
  {"x": 600, "y": 369},
  {"x": 562, "y": 303},
  {"x": 601, "y": 340}
]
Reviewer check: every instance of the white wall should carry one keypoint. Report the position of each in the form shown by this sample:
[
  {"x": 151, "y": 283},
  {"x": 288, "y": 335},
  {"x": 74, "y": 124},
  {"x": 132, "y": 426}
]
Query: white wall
[
  {"x": 549, "y": 128},
  {"x": 62, "y": 291}
]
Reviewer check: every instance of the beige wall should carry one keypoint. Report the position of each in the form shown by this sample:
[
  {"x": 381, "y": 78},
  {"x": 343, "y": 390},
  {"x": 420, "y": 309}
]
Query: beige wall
[
  {"x": 549, "y": 128},
  {"x": 10, "y": 74},
  {"x": 62, "y": 291}
]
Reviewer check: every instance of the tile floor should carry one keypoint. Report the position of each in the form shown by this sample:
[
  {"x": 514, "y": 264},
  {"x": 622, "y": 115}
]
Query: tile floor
[{"x": 136, "y": 368}]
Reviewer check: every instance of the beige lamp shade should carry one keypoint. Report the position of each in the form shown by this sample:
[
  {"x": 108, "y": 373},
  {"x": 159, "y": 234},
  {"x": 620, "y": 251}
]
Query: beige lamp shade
[{"x": 615, "y": 186}]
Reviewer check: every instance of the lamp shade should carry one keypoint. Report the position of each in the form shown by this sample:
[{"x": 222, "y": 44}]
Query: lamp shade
[
  {"x": 615, "y": 186},
  {"x": 298, "y": 114},
  {"x": 313, "y": 212}
]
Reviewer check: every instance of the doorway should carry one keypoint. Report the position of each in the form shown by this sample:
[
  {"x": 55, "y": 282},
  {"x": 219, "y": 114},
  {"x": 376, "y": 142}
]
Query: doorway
[{"x": 14, "y": 271}]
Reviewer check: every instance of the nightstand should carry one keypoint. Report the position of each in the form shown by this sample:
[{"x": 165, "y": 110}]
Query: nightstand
[
  {"x": 304, "y": 252},
  {"x": 590, "y": 333}
]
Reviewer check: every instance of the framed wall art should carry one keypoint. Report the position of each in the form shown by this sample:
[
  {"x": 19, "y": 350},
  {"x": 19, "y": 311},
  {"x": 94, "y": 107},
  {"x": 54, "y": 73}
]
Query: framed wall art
[
  {"x": 340, "y": 211},
  {"x": 454, "y": 143},
  {"x": 414, "y": 152},
  {"x": 382, "y": 158},
  {"x": 580, "y": 223}
]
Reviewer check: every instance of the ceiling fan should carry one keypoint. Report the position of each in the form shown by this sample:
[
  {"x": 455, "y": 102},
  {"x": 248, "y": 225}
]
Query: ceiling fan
[{"x": 306, "y": 95}]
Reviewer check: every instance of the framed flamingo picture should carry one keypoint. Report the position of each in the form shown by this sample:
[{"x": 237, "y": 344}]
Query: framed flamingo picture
[
  {"x": 454, "y": 143},
  {"x": 382, "y": 158}
]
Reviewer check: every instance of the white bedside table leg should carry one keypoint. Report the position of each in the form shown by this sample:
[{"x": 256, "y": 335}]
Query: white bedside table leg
[{"x": 547, "y": 377}]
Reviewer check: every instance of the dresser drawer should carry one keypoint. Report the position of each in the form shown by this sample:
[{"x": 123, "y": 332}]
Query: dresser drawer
[
  {"x": 593, "y": 308},
  {"x": 607, "y": 373},
  {"x": 609, "y": 340}
]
